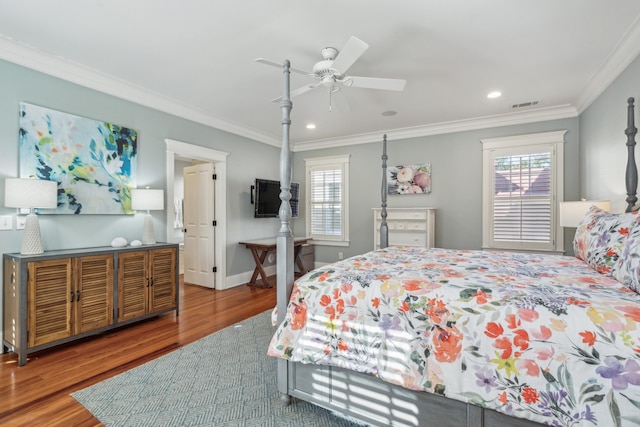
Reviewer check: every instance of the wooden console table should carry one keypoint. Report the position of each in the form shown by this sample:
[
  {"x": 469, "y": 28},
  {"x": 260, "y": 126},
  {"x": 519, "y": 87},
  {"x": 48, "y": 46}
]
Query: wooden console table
[{"x": 260, "y": 248}]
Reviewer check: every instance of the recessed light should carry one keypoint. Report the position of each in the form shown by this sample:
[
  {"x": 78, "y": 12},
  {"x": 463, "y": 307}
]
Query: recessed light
[
  {"x": 389, "y": 113},
  {"x": 311, "y": 126},
  {"x": 494, "y": 94}
]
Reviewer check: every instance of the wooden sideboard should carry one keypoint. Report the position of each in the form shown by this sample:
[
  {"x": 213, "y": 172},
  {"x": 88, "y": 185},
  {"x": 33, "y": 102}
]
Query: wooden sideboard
[
  {"x": 60, "y": 296},
  {"x": 407, "y": 227}
]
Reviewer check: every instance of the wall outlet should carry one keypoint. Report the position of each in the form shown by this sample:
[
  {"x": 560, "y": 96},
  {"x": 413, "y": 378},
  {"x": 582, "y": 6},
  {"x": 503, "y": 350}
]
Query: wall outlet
[
  {"x": 6, "y": 222},
  {"x": 21, "y": 220},
  {"x": 340, "y": 255}
]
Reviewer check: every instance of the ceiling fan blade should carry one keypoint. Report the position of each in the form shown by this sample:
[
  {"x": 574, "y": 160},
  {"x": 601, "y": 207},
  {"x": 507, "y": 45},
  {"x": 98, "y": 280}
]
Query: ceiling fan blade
[
  {"x": 375, "y": 83},
  {"x": 275, "y": 64},
  {"x": 299, "y": 91},
  {"x": 352, "y": 50}
]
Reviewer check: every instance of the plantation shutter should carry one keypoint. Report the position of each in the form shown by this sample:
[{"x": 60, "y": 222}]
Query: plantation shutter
[
  {"x": 522, "y": 202},
  {"x": 522, "y": 181},
  {"x": 326, "y": 201}
]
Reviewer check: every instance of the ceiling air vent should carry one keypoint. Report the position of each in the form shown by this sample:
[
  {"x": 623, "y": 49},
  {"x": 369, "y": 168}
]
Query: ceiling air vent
[{"x": 525, "y": 104}]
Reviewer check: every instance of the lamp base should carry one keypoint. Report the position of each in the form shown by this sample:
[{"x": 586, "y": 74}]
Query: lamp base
[
  {"x": 148, "y": 234},
  {"x": 31, "y": 242}
]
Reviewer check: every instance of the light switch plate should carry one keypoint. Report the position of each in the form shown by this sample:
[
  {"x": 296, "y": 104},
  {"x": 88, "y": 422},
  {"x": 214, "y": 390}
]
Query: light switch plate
[
  {"x": 21, "y": 220},
  {"x": 6, "y": 222}
]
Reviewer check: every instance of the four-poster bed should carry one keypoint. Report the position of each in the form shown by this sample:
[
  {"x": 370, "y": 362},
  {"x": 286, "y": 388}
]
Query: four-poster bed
[{"x": 419, "y": 337}]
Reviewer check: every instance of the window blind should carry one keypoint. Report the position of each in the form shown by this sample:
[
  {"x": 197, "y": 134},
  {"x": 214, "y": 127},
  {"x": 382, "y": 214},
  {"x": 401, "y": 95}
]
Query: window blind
[
  {"x": 326, "y": 197},
  {"x": 522, "y": 198}
]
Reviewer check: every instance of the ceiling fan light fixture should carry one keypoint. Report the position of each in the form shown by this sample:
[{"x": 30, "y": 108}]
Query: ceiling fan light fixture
[{"x": 330, "y": 83}]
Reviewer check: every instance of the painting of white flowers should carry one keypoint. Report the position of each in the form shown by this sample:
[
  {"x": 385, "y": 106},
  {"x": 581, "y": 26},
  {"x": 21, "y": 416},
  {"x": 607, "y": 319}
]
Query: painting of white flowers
[
  {"x": 409, "y": 179},
  {"x": 93, "y": 162}
]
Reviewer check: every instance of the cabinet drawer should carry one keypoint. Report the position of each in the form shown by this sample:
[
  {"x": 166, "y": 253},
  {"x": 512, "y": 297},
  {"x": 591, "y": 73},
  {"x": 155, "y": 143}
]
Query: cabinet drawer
[
  {"x": 419, "y": 226},
  {"x": 407, "y": 239},
  {"x": 405, "y": 225},
  {"x": 399, "y": 225},
  {"x": 403, "y": 214}
]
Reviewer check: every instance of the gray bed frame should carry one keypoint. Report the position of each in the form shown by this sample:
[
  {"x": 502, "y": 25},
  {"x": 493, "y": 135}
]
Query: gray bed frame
[{"x": 361, "y": 396}]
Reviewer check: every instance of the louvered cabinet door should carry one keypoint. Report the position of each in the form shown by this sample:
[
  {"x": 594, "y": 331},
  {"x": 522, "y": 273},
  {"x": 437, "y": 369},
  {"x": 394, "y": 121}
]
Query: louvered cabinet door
[
  {"x": 162, "y": 270},
  {"x": 93, "y": 306},
  {"x": 49, "y": 301},
  {"x": 132, "y": 284}
]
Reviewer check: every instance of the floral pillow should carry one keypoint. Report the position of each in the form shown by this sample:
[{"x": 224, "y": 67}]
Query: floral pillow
[
  {"x": 628, "y": 269},
  {"x": 600, "y": 238}
]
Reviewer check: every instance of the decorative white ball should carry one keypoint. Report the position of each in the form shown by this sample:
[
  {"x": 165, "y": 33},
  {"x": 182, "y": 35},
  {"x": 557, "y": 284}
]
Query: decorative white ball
[
  {"x": 136, "y": 243},
  {"x": 119, "y": 242}
]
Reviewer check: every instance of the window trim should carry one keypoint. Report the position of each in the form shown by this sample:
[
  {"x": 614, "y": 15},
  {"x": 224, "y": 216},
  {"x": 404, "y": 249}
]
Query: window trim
[
  {"x": 506, "y": 145},
  {"x": 339, "y": 162}
]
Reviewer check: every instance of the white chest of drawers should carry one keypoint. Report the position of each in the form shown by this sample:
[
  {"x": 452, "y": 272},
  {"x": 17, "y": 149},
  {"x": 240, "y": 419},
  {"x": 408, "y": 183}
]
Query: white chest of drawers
[{"x": 407, "y": 227}]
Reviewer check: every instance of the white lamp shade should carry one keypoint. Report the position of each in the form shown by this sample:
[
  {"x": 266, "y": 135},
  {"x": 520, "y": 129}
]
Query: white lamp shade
[
  {"x": 147, "y": 199},
  {"x": 571, "y": 213},
  {"x": 30, "y": 193}
]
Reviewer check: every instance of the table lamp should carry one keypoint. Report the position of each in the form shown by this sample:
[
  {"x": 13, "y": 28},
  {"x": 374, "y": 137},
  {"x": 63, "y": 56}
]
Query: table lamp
[
  {"x": 147, "y": 199},
  {"x": 571, "y": 213},
  {"x": 31, "y": 194}
]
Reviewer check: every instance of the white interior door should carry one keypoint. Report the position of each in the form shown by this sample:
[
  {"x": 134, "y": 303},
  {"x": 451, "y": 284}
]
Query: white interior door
[{"x": 199, "y": 232}]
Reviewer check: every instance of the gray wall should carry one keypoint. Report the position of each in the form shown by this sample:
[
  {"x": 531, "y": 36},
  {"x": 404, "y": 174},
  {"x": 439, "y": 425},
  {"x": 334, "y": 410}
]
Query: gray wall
[
  {"x": 456, "y": 176},
  {"x": 248, "y": 159},
  {"x": 603, "y": 151},
  {"x": 456, "y": 160}
]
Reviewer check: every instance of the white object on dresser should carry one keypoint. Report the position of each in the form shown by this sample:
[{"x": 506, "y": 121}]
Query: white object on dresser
[{"x": 407, "y": 227}]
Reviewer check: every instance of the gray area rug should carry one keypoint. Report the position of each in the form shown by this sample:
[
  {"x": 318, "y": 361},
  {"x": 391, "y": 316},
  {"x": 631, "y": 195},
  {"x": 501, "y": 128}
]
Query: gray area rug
[{"x": 225, "y": 379}]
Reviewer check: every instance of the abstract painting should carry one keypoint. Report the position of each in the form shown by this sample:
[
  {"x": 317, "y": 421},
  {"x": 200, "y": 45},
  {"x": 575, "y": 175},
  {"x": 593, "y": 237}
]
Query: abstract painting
[
  {"x": 93, "y": 162},
  {"x": 409, "y": 179}
]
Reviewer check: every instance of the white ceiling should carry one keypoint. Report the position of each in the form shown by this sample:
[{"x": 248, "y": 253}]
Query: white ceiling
[{"x": 195, "y": 59}]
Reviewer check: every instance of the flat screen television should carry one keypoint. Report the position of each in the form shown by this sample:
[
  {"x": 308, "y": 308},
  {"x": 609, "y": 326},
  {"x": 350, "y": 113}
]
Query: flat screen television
[{"x": 265, "y": 196}]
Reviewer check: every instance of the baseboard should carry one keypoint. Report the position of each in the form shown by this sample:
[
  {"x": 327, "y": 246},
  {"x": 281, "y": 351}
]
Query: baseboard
[{"x": 243, "y": 278}]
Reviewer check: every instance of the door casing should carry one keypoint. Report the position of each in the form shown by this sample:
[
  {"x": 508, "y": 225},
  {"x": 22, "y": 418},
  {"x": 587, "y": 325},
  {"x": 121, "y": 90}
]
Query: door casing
[{"x": 177, "y": 150}]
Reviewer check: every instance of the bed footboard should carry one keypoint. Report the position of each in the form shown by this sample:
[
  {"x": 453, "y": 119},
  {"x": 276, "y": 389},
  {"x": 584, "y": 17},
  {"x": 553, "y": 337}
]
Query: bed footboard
[{"x": 366, "y": 398}]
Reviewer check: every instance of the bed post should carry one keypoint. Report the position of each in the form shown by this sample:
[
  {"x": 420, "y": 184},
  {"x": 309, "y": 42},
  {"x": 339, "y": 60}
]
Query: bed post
[
  {"x": 631, "y": 173},
  {"x": 384, "y": 230},
  {"x": 284, "y": 242}
]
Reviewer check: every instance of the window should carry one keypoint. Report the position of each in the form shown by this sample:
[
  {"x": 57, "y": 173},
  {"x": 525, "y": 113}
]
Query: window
[
  {"x": 328, "y": 199},
  {"x": 522, "y": 183}
]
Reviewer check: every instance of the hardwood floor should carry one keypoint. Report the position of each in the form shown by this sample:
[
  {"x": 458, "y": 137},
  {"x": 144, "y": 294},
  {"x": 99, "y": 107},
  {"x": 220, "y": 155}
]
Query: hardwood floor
[{"x": 37, "y": 394}]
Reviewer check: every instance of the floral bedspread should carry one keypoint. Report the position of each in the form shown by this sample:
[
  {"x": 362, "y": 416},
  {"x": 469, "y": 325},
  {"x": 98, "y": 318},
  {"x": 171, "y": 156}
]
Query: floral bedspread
[{"x": 534, "y": 336}]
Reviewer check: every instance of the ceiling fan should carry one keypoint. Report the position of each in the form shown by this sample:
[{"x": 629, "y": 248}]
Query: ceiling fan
[{"x": 330, "y": 73}]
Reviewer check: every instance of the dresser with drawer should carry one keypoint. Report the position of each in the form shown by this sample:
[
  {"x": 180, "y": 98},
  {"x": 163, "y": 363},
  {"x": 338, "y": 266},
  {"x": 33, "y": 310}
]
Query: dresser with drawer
[{"x": 407, "y": 227}]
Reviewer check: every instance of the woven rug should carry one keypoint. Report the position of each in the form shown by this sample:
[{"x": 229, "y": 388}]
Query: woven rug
[{"x": 225, "y": 379}]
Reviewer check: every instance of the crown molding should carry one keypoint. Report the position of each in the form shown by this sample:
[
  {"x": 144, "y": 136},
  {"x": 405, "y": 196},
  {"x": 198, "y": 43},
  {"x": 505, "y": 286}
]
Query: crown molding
[
  {"x": 627, "y": 49},
  {"x": 530, "y": 116},
  {"x": 10, "y": 50},
  {"x": 73, "y": 72}
]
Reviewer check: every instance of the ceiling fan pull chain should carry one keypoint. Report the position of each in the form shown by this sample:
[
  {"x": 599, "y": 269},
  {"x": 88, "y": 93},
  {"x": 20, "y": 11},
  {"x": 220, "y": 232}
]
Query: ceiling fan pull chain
[{"x": 330, "y": 92}]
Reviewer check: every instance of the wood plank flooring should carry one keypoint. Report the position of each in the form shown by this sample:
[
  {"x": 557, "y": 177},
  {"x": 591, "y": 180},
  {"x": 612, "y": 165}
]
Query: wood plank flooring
[{"x": 37, "y": 394}]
